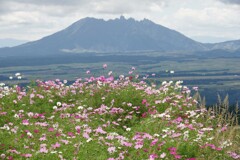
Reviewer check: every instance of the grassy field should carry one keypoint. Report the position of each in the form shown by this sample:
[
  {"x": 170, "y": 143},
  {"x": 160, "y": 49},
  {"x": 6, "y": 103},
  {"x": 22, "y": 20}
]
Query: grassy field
[
  {"x": 107, "y": 118},
  {"x": 218, "y": 75}
]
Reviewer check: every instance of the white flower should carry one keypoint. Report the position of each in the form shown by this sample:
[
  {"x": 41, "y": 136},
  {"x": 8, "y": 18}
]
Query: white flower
[
  {"x": 53, "y": 152},
  {"x": 55, "y": 107},
  {"x": 65, "y": 81},
  {"x": 121, "y": 77},
  {"x": 18, "y": 74},
  {"x": 59, "y": 104},
  {"x": 99, "y": 83},
  {"x": 89, "y": 139},
  {"x": 3, "y": 156},
  {"x": 156, "y": 135},
  {"x": 29, "y": 134},
  {"x": 10, "y": 77},
  {"x": 2, "y": 84},
  {"x": 172, "y": 72},
  {"x": 164, "y": 82},
  {"x": 89, "y": 108},
  {"x": 19, "y": 77},
  {"x": 128, "y": 129},
  {"x": 110, "y": 73},
  {"x": 80, "y": 107},
  {"x": 16, "y": 116}
]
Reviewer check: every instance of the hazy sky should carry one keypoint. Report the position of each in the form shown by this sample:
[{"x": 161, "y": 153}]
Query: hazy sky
[{"x": 204, "y": 20}]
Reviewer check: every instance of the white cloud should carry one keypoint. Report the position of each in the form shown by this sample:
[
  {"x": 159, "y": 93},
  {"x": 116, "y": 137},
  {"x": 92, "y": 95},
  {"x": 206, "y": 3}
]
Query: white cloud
[{"x": 214, "y": 18}]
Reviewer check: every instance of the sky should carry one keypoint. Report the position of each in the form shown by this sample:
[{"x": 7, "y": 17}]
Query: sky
[{"x": 206, "y": 21}]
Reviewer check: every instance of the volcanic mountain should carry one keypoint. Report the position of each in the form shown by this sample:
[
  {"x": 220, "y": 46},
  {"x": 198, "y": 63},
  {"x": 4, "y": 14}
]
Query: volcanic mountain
[{"x": 117, "y": 35}]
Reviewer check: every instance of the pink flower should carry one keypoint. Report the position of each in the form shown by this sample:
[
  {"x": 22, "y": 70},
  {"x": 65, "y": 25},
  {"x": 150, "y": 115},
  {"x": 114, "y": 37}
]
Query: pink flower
[
  {"x": 154, "y": 142},
  {"x": 144, "y": 101},
  {"x": 224, "y": 128},
  {"x": 111, "y": 149},
  {"x": 43, "y": 138},
  {"x": 172, "y": 150},
  {"x": 87, "y": 72},
  {"x": 43, "y": 150},
  {"x": 138, "y": 146},
  {"x": 36, "y": 131},
  {"x": 27, "y": 155},
  {"x": 57, "y": 145},
  {"x": 177, "y": 156},
  {"x": 70, "y": 134},
  {"x": 65, "y": 141},
  {"x": 163, "y": 155},
  {"x": 86, "y": 135},
  {"x": 234, "y": 155},
  {"x": 3, "y": 113},
  {"x": 152, "y": 156},
  {"x": 100, "y": 130},
  {"x": 50, "y": 129},
  {"x": 25, "y": 122},
  {"x": 104, "y": 66},
  {"x": 78, "y": 129}
]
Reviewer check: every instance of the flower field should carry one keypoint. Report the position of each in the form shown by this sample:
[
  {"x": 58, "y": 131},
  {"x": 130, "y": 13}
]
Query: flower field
[{"x": 107, "y": 118}]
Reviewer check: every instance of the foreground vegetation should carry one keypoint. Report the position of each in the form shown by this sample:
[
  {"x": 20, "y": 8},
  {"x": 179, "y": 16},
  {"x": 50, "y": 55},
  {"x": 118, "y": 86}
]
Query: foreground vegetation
[{"x": 107, "y": 118}]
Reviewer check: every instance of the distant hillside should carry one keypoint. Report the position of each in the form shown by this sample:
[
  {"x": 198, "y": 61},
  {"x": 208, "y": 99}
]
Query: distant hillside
[
  {"x": 118, "y": 35},
  {"x": 229, "y": 45}
]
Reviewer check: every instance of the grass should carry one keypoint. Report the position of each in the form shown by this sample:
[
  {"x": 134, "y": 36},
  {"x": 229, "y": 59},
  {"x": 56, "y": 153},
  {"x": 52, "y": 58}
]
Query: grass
[{"x": 102, "y": 118}]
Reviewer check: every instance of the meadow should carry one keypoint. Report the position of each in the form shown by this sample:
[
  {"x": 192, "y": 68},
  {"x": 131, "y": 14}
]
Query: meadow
[
  {"x": 113, "y": 117},
  {"x": 213, "y": 74}
]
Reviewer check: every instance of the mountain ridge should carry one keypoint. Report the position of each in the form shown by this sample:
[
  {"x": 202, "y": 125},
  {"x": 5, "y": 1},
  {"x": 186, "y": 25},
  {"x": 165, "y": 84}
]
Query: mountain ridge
[{"x": 114, "y": 35}]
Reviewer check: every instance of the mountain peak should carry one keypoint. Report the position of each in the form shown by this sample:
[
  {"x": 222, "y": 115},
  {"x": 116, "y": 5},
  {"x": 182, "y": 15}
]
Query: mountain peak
[{"x": 115, "y": 35}]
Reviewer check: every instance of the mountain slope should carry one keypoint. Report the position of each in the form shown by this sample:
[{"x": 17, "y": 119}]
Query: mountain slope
[
  {"x": 228, "y": 45},
  {"x": 118, "y": 35}
]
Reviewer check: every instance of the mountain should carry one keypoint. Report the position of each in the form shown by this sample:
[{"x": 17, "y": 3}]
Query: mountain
[
  {"x": 228, "y": 45},
  {"x": 117, "y": 35},
  {"x": 11, "y": 42}
]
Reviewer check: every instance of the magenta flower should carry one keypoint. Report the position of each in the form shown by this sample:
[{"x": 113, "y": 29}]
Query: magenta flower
[
  {"x": 50, "y": 129},
  {"x": 177, "y": 156},
  {"x": 25, "y": 122},
  {"x": 36, "y": 131},
  {"x": 154, "y": 142},
  {"x": 144, "y": 101},
  {"x": 70, "y": 134},
  {"x": 152, "y": 156}
]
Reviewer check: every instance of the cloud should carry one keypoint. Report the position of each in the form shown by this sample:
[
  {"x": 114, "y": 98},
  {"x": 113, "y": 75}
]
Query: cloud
[
  {"x": 231, "y": 1},
  {"x": 60, "y": 7},
  {"x": 43, "y": 17}
]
